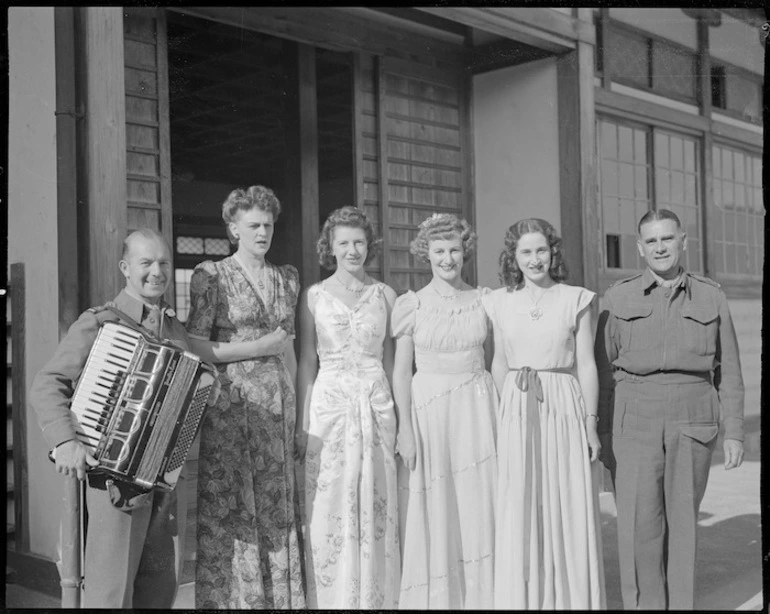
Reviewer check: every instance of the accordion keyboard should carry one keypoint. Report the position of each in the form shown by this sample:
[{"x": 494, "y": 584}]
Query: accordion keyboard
[{"x": 99, "y": 387}]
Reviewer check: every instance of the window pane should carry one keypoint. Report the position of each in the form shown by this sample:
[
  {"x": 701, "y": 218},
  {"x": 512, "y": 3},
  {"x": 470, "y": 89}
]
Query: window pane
[
  {"x": 677, "y": 188},
  {"x": 743, "y": 95},
  {"x": 661, "y": 150},
  {"x": 662, "y": 186},
  {"x": 189, "y": 245},
  {"x": 717, "y": 161},
  {"x": 609, "y": 134},
  {"x": 690, "y": 190},
  {"x": 689, "y": 156},
  {"x": 640, "y": 182},
  {"x": 626, "y": 144},
  {"x": 719, "y": 256},
  {"x": 626, "y": 181},
  {"x": 628, "y": 217},
  {"x": 610, "y": 179},
  {"x": 628, "y": 252},
  {"x": 677, "y": 155},
  {"x": 610, "y": 215},
  {"x": 217, "y": 247}
]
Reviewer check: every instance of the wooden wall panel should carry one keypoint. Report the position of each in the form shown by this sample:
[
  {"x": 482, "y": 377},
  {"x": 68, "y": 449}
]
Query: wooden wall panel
[{"x": 420, "y": 159}]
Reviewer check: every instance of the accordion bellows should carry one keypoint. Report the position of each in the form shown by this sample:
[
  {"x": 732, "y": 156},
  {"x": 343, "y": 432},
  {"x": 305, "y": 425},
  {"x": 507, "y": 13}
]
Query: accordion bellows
[{"x": 138, "y": 405}]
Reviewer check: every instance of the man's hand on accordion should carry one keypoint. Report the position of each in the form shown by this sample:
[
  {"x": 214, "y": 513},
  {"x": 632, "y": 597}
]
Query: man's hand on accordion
[{"x": 72, "y": 457}]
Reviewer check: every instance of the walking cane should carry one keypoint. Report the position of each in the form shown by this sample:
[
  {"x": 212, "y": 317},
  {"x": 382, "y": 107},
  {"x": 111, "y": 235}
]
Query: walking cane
[{"x": 72, "y": 544}]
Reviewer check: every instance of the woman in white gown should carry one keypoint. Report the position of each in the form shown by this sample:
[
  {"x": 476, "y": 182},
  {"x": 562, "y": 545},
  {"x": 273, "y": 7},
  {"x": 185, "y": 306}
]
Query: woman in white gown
[
  {"x": 548, "y": 531},
  {"x": 449, "y": 537},
  {"x": 351, "y": 544}
]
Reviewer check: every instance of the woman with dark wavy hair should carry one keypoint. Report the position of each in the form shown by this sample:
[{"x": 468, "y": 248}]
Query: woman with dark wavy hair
[
  {"x": 548, "y": 534},
  {"x": 449, "y": 442},
  {"x": 346, "y": 359}
]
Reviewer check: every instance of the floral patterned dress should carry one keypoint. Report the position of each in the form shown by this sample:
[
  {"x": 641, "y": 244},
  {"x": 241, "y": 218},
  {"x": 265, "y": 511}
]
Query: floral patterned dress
[
  {"x": 352, "y": 545},
  {"x": 249, "y": 541}
]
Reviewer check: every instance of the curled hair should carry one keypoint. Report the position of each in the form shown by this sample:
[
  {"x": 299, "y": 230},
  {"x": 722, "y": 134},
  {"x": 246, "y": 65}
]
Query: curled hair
[
  {"x": 349, "y": 217},
  {"x": 443, "y": 226},
  {"x": 510, "y": 273},
  {"x": 655, "y": 215},
  {"x": 246, "y": 199}
]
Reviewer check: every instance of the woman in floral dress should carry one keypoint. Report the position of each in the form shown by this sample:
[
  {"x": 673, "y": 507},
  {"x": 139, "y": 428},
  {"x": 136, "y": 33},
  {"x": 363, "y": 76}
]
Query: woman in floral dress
[
  {"x": 242, "y": 318},
  {"x": 351, "y": 508}
]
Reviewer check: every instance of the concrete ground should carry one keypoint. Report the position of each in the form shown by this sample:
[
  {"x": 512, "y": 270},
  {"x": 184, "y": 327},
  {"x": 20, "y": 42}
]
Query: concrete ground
[{"x": 729, "y": 549}]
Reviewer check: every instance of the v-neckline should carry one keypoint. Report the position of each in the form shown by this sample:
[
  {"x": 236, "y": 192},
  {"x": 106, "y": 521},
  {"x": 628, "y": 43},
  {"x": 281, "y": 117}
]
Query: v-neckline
[
  {"x": 247, "y": 276},
  {"x": 341, "y": 302}
]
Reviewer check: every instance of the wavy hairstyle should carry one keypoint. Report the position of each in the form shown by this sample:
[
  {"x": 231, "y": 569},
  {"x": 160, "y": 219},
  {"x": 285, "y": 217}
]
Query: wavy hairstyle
[
  {"x": 246, "y": 199},
  {"x": 350, "y": 217},
  {"x": 510, "y": 273},
  {"x": 443, "y": 226},
  {"x": 656, "y": 215}
]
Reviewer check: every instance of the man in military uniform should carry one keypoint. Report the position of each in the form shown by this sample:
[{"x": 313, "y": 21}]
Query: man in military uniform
[
  {"x": 668, "y": 363},
  {"x": 130, "y": 558}
]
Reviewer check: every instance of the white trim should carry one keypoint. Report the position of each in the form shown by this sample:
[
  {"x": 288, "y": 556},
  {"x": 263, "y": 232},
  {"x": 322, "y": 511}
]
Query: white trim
[
  {"x": 650, "y": 97},
  {"x": 731, "y": 121}
]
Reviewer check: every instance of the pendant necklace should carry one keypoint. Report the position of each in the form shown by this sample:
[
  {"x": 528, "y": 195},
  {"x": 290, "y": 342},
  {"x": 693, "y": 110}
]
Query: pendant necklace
[
  {"x": 355, "y": 291},
  {"x": 446, "y": 297},
  {"x": 535, "y": 312}
]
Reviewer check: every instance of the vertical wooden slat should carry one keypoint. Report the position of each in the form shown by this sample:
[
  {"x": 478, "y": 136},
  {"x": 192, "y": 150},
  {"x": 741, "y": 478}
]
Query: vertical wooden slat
[
  {"x": 105, "y": 148},
  {"x": 164, "y": 129},
  {"x": 706, "y": 155},
  {"x": 66, "y": 167},
  {"x": 308, "y": 125},
  {"x": 358, "y": 139},
  {"x": 577, "y": 167},
  {"x": 382, "y": 160},
  {"x": 469, "y": 202},
  {"x": 19, "y": 395}
]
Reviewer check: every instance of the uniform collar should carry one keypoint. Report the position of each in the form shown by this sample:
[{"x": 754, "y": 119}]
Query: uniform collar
[
  {"x": 649, "y": 280},
  {"x": 135, "y": 309}
]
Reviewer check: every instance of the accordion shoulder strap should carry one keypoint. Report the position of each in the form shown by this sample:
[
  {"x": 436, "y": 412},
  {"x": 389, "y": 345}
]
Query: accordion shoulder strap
[{"x": 124, "y": 318}]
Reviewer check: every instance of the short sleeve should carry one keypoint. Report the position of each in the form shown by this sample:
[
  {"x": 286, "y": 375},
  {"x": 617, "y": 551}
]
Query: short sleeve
[
  {"x": 204, "y": 295},
  {"x": 403, "y": 317},
  {"x": 583, "y": 299},
  {"x": 291, "y": 286},
  {"x": 488, "y": 302}
]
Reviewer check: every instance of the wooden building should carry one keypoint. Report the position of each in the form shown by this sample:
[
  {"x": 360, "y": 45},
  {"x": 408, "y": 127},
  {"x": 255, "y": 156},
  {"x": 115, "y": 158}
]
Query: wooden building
[{"x": 149, "y": 117}]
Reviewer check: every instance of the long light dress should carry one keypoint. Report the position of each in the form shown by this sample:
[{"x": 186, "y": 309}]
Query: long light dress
[
  {"x": 549, "y": 549},
  {"x": 450, "y": 530},
  {"x": 352, "y": 547}
]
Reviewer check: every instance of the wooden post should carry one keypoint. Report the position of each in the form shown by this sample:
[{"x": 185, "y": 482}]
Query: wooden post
[
  {"x": 19, "y": 411},
  {"x": 104, "y": 176},
  {"x": 71, "y": 548},
  {"x": 580, "y": 221}
]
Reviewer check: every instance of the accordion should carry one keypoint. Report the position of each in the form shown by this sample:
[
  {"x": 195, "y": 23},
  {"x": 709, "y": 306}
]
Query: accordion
[{"x": 138, "y": 405}]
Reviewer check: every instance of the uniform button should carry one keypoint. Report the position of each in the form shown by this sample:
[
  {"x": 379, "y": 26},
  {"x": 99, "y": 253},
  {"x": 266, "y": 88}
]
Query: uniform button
[
  {"x": 667, "y": 293},
  {"x": 151, "y": 320}
]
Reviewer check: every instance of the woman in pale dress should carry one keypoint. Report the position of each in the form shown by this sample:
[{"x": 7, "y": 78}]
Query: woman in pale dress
[
  {"x": 351, "y": 508},
  {"x": 548, "y": 531},
  {"x": 447, "y": 439}
]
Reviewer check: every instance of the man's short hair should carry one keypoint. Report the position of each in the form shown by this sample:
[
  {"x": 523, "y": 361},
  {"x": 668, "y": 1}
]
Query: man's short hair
[
  {"x": 655, "y": 215},
  {"x": 146, "y": 233}
]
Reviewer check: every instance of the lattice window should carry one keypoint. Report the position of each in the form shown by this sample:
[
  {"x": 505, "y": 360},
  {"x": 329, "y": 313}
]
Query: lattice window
[
  {"x": 189, "y": 245},
  {"x": 182, "y": 287},
  {"x": 627, "y": 57},
  {"x": 676, "y": 188},
  {"x": 738, "y": 212},
  {"x": 624, "y": 190},
  {"x": 673, "y": 70},
  {"x": 633, "y": 158},
  {"x": 736, "y": 91}
]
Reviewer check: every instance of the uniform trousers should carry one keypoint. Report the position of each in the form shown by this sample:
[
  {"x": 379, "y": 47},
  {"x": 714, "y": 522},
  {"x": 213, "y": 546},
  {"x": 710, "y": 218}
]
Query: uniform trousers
[
  {"x": 134, "y": 557},
  {"x": 664, "y": 432}
]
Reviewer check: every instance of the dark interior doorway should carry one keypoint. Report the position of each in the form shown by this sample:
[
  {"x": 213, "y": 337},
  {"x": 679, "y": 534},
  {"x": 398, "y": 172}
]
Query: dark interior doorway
[{"x": 235, "y": 122}]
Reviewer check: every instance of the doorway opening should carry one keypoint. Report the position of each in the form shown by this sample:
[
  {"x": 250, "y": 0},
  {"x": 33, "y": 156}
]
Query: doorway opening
[{"x": 234, "y": 122}]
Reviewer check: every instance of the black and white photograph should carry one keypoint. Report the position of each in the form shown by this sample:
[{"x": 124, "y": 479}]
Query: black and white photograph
[{"x": 373, "y": 308}]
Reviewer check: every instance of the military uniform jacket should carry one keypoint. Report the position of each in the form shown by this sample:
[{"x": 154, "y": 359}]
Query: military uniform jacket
[
  {"x": 54, "y": 385},
  {"x": 645, "y": 328}
]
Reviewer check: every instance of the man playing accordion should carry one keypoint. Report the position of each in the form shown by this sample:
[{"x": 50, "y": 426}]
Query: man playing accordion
[{"x": 135, "y": 542}]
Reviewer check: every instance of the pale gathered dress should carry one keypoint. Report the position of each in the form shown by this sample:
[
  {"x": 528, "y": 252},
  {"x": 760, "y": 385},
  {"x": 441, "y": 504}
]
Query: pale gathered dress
[
  {"x": 449, "y": 540},
  {"x": 548, "y": 531},
  {"x": 351, "y": 547}
]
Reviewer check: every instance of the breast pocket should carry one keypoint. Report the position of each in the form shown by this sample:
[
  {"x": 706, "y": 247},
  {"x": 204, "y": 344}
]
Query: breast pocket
[
  {"x": 634, "y": 325},
  {"x": 699, "y": 328}
]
